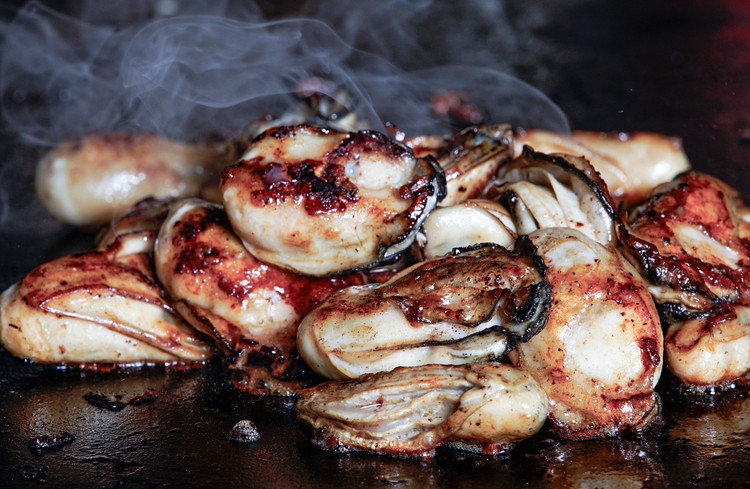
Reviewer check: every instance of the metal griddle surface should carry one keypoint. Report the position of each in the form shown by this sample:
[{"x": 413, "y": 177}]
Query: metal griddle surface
[{"x": 659, "y": 66}]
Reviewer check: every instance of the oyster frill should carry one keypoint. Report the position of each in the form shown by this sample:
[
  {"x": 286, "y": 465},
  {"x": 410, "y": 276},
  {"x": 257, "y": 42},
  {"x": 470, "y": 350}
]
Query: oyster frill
[
  {"x": 470, "y": 306},
  {"x": 321, "y": 202},
  {"x": 411, "y": 411},
  {"x": 543, "y": 191},
  {"x": 600, "y": 355},
  {"x": 88, "y": 308}
]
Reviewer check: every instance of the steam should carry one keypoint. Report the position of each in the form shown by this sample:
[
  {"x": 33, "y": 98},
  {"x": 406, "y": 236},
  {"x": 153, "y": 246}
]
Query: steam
[{"x": 205, "y": 69}]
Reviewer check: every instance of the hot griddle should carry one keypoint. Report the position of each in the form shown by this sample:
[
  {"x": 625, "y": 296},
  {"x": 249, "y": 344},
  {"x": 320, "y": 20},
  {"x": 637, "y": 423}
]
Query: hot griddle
[{"x": 669, "y": 67}]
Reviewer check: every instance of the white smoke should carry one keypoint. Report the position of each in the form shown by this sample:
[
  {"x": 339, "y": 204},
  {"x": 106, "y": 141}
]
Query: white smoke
[{"x": 205, "y": 69}]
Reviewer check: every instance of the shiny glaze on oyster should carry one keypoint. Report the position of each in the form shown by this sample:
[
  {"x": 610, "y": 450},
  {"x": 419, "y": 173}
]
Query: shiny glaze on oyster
[
  {"x": 711, "y": 352},
  {"x": 462, "y": 308},
  {"x": 224, "y": 291},
  {"x": 600, "y": 355},
  {"x": 88, "y": 309},
  {"x": 321, "y": 202},
  {"x": 686, "y": 238}
]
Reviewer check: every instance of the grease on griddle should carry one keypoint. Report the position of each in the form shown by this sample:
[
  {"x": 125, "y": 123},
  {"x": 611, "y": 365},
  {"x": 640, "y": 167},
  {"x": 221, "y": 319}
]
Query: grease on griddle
[
  {"x": 43, "y": 443},
  {"x": 116, "y": 402},
  {"x": 244, "y": 431}
]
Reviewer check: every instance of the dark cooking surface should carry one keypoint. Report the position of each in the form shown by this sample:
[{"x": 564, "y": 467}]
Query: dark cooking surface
[{"x": 660, "y": 66}]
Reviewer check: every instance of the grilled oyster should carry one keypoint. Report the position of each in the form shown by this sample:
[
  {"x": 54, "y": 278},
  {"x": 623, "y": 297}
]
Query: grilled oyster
[
  {"x": 411, "y": 411},
  {"x": 135, "y": 231},
  {"x": 321, "y": 202},
  {"x": 711, "y": 352},
  {"x": 88, "y": 308},
  {"x": 468, "y": 223},
  {"x": 224, "y": 291},
  {"x": 632, "y": 164},
  {"x": 687, "y": 240},
  {"x": 469, "y": 160},
  {"x": 92, "y": 180},
  {"x": 463, "y": 308},
  {"x": 600, "y": 355}
]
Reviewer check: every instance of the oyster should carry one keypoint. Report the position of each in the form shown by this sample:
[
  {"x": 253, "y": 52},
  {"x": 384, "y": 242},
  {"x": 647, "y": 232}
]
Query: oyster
[
  {"x": 90, "y": 181},
  {"x": 411, "y": 411},
  {"x": 468, "y": 223},
  {"x": 468, "y": 307},
  {"x": 88, "y": 308},
  {"x": 135, "y": 231},
  {"x": 600, "y": 355},
  {"x": 711, "y": 352},
  {"x": 321, "y": 202},
  {"x": 469, "y": 160},
  {"x": 224, "y": 291},
  {"x": 687, "y": 240},
  {"x": 632, "y": 164}
]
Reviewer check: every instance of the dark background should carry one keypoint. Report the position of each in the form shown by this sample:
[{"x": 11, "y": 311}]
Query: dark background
[{"x": 679, "y": 68}]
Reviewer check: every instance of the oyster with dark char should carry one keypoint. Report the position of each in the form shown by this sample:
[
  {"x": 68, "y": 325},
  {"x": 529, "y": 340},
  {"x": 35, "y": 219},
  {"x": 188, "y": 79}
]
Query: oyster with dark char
[
  {"x": 687, "y": 240},
  {"x": 600, "y": 355},
  {"x": 470, "y": 306},
  {"x": 245, "y": 305},
  {"x": 321, "y": 202}
]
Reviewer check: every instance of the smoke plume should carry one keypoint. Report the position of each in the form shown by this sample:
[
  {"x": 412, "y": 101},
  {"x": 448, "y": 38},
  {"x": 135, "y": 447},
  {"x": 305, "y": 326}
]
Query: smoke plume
[{"x": 206, "y": 69}]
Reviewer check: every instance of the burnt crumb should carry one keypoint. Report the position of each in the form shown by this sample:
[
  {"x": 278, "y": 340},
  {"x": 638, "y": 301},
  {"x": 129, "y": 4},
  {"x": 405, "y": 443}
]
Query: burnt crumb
[
  {"x": 116, "y": 403},
  {"x": 244, "y": 431},
  {"x": 43, "y": 443},
  {"x": 32, "y": 472},
  {"x": 457, "y": 107}
]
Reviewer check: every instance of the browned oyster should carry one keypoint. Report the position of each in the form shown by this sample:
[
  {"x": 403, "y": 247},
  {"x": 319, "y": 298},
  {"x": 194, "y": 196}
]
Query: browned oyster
[
  {"x": 711, "y": 352},
  {"x": 600, "y": 355},
  {"x": 320, "y": 202},
  {"x": 90, "y": 309},
  {"x": 411, "y": 411},
  {"x": 224, "y": 291},
  {"x": 462, "y": 308},
  {"x": 89, "y": 181},
  {"x": 135, "y": 231},
  {"x": 687, "y": 240}
]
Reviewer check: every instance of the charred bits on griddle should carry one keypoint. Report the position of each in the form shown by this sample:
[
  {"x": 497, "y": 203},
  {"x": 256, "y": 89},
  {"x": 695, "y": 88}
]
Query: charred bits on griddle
[
  {"x": 43, "y": 443},
  {"x": 116, "y": 403}
]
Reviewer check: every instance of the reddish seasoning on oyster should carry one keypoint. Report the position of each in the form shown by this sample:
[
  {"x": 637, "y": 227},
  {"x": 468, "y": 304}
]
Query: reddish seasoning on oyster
[
  {"x": 687, "y": 239},
  {"x": 600, "y": 355},
  {"x": 320, "y": 202},
  {"x": 91, "y": 308},
  {"x": 226, "y": 292}
]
